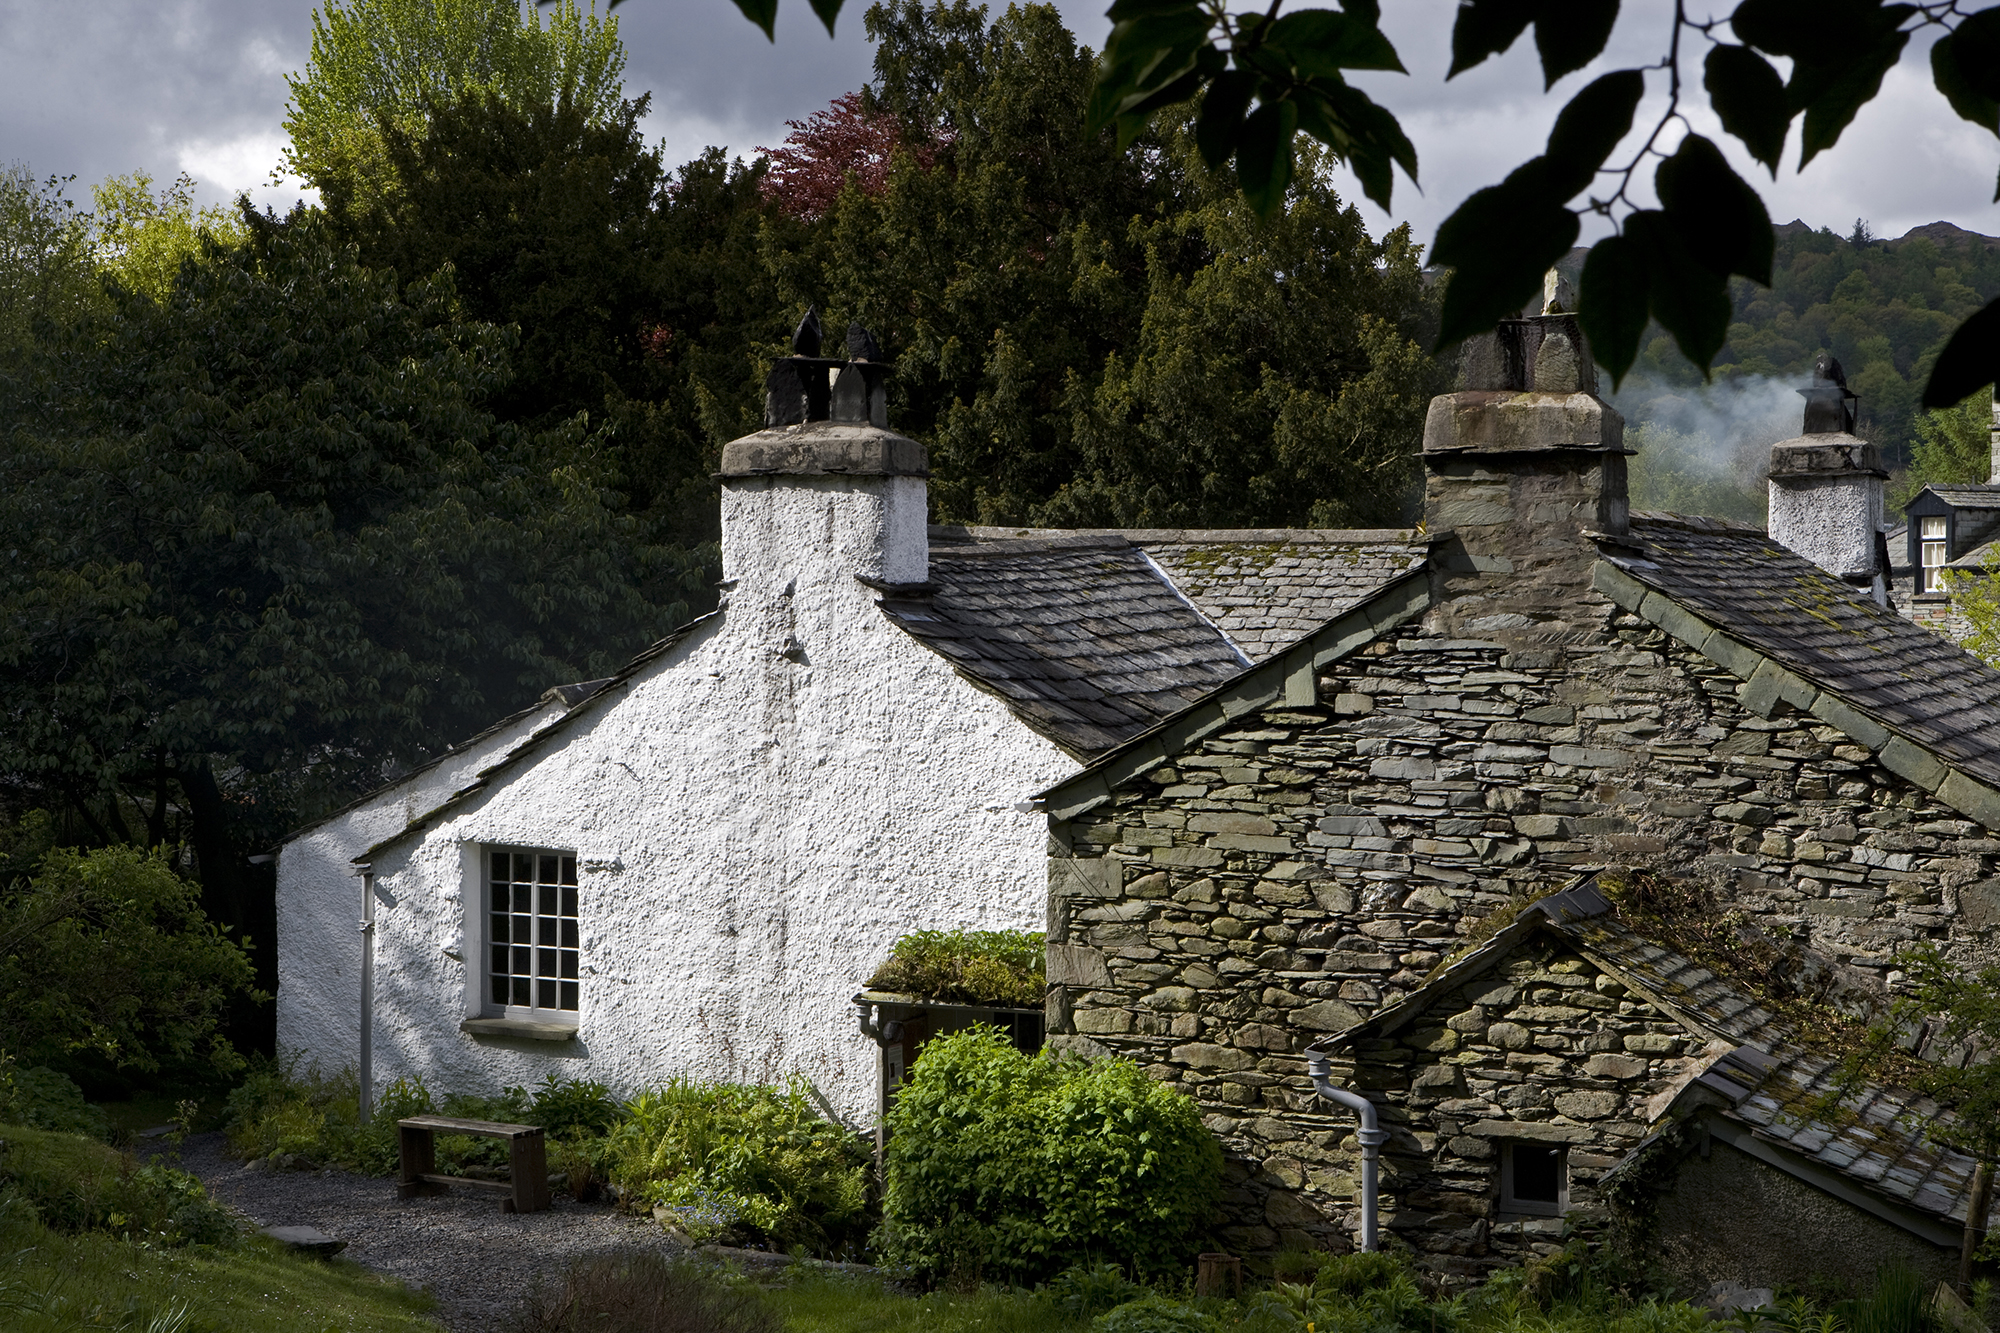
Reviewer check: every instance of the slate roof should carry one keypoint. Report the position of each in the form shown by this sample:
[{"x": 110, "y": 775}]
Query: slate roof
[
  {"x": 1265, "y": 588},
  {"x": 1905, "y": 676},
  {"x": 1972, "y": 495},
  {"x": 1766, "y": 1081},
  {"x": 1079, "y": 634}
]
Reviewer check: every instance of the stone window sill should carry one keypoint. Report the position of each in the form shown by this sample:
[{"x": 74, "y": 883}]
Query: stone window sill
[{"x": 518, "y": 1027}]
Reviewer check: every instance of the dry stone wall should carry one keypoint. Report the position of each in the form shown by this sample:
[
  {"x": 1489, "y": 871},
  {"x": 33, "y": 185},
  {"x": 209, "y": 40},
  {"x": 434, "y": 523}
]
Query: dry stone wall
[{"x": 1300, "y": 869}]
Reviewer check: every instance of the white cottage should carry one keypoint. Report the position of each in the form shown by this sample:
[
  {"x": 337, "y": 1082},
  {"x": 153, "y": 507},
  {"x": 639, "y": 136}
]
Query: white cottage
[{"x": 691, "y": 867}]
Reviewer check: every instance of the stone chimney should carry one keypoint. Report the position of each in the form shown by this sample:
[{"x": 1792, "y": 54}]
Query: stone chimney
[
  {"x": 1519, "y": 464},
  {"x": 826, "y": 493},
  {"x": 1826, "y": 489}
]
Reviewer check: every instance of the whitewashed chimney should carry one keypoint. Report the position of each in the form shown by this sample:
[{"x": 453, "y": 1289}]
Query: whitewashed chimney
[
  {"x": 826, "y": 494},
  {"x": 1826, "y": 489}
]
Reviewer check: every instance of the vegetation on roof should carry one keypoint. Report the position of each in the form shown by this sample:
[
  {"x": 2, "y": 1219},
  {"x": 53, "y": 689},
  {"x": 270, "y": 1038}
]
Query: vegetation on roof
[{"x": 1001, "y": 967}]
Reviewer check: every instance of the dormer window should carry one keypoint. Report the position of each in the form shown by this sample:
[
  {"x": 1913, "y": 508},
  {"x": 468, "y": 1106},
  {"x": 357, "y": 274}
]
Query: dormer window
[{"x": 1934, "y": 552}]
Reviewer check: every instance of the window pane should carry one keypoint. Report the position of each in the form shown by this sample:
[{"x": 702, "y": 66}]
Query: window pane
[
  {"x": 569, "y": 964},
  {"x": 550, "y": 896},
  {"x": 548, "y": 994},
  {"x": 548, "y": 931},
  {"x": 499, "y": 867},
  {"x": 1537, "y": 1173},
  {"x": 500, "y": 990},
  {"x": 523, "y": 899},
  {"x": 569, "y": 995},
  {"x": 499, "y": 960},
  {"x": 569, "y": 900},
  {"x": 569, "y": 934},
  {"x": 1933, "y": 527},
  {"x": 524, "y": 866},
  {"x": 569, "y": 870},
  {"x": 545, "y": 960},
  {"x": 522, "y": 933},
  {"x": 521, "y": 992},
  {"x": 521, "y": 963},
  {"x": 549, "y": 869},
  {"x": 496, "y": 929}
]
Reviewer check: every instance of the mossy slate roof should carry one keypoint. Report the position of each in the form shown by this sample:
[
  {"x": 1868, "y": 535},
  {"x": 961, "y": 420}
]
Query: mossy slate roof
[
  {"x": 1093, "y": 637},
  {"x": 1766, "y": 1081},
  {"x": 1909, "y": 678}
]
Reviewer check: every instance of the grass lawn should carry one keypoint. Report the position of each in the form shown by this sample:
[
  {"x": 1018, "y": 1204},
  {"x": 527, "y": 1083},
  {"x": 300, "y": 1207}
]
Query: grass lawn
[{"x": 50, "y": 1280}]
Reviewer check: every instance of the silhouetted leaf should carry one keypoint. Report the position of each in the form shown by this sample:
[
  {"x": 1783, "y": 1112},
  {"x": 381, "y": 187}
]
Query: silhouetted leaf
[
  {"x": 1840, "y": 50},
  {"x": 1832, "y": 95},
  {"x": 1365, "y": 135},
  {"x": 1690, "y": 300},
  {"x": 1976, "y": 44},
  {"x": 1590, "y": 127},
  {"x": 1569, "y": 34},
  {"x": 1486, "y": 28},
  {"x": 1498, "y": 244},
  {"x": 763, "y": 13},
  {"x": 1720, "y": 218},
  {"x": 1952, "y": 72},
  {"x": 1264, "y": 155},
  {"x": 1221, "y": 116},
  {"x": 1154, "y": 45},
  {"x": 828, "y": 11},
  {"x": 1614, "y": 298},
  {"x": 1970, "y": 361},
  {"x": 1324, "y": 41},
  {"x": 1749, "y": 96}
]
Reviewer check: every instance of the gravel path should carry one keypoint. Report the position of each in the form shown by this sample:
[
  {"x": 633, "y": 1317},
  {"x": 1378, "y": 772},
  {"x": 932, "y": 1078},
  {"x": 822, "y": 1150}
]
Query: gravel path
[{"x": 478, "y": 1261}]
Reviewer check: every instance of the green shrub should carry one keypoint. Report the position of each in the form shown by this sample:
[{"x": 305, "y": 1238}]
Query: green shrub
[
  {"x": 124, "y": 971},
  {"x": 1351, "y": 1275},
  {"x": 753, "y": 1163},
  {"x": 1012, "y": 1167},
  {"x": 46, "y": 1099},
  {"x": 1155, "y": 1314},
  {"x": 1088, "y": 1290},
  {"x": 643, "y": 1291},
  {"x": 75, "y": 1184},
  {"x": 1004, "y": 967}
]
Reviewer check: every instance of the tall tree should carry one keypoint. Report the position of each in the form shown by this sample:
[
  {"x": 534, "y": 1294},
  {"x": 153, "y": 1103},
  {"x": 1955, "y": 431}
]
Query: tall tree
[
  {"x": 267, "y": 540},
  {"x": 142, "y": 239},
  {"x": 376, "y": 61},
  {"x": 1086, "y": 334},
  {"x": 48, "y": 269}
]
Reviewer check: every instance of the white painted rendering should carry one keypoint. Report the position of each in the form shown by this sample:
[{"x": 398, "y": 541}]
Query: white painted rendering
[
  {"x": 319, "y": 895},
  {"x": 758, "y": 815}
]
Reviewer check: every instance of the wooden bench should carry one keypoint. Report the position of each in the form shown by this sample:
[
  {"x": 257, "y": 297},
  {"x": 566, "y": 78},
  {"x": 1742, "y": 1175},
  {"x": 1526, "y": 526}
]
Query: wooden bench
[{"x": 527, "y": 1190}]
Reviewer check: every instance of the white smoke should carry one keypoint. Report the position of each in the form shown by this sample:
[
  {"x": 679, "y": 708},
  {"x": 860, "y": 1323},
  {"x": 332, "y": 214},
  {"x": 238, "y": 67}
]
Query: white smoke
[{"x": 1704, "y": 448}]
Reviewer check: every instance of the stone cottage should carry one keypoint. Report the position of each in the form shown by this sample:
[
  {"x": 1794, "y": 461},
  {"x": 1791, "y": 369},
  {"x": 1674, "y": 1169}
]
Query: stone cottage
[
  {"x": 1564, "y": 685},
  {"x": 691, "y": 869}
]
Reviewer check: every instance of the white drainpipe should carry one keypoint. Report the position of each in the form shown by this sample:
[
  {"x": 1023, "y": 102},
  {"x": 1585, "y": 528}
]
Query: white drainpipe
[
  {"x": 367, "y": 1073},
  {"x": 1318, "y": 1067}
]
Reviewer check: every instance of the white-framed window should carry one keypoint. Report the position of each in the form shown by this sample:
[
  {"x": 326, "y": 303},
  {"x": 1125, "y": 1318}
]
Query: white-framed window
[
  {"x": 1534, "y": 1179},
  {"x": 1932, "y": 546},
  {"x": 531, "y": 934}
]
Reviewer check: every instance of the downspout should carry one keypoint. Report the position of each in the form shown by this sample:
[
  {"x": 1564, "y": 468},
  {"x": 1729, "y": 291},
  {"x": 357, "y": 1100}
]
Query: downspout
[
  {"x": 367, "y": 873},
  {"x": 1318, "y": 1068}
]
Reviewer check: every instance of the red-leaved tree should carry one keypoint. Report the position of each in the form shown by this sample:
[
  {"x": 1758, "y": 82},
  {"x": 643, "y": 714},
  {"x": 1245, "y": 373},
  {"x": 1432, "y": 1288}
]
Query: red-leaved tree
[{"x": 819, "y": 154}]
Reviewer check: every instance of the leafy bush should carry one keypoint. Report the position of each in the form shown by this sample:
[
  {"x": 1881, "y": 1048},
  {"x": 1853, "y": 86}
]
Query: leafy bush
[
  {"x": 45, "y": 1099},
  {"x": 758, "y": 1163},
  {"x": 1154, "y": 1314},
  {"x": 643, "y": 1291},
  {"x": 1005, "y": 967},
  {"x": 75, "y": 1185},
  {"x": 1090, "y": 1289},
  {"x": 124, "y": 970},
  {"x": 1010, "y": 1166}
]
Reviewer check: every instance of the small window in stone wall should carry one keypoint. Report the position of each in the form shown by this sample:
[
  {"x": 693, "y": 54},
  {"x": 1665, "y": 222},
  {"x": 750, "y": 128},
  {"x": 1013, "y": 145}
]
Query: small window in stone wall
[{"x": 1534, "y": 1179}]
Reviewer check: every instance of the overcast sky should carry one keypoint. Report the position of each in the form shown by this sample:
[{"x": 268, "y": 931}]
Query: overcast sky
[{"x": 96, "y": 87}]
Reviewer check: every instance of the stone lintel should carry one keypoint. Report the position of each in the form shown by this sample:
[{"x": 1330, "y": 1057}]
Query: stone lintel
[
  {"x": 824, "y": 448},
  {"x": 1828, "y": 454},
  {"x": 1535, "y": 1131},
  {"x": 1501, "y": 421}
]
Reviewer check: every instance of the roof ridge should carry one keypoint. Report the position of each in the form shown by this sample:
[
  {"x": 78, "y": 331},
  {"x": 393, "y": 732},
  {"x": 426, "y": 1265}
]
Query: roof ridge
[{"x": 960, "y": 532}]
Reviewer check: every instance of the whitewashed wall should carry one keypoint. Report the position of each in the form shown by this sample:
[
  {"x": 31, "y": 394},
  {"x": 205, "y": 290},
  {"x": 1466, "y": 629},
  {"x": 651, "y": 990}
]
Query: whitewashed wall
[
  {"x": 319, "y": 896},
  {"x": 758, "y": 815}
]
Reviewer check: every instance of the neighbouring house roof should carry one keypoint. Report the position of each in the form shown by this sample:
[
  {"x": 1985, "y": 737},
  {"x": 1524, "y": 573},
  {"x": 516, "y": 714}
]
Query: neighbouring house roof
[
  {"x": 1970, "y": 495},
  {"x": 1929, "y": 709},
  {"x": 1761, "y": 1088},
  {"x": 1265, "y": 588},
  {"x": 1078, "y": 635}
]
